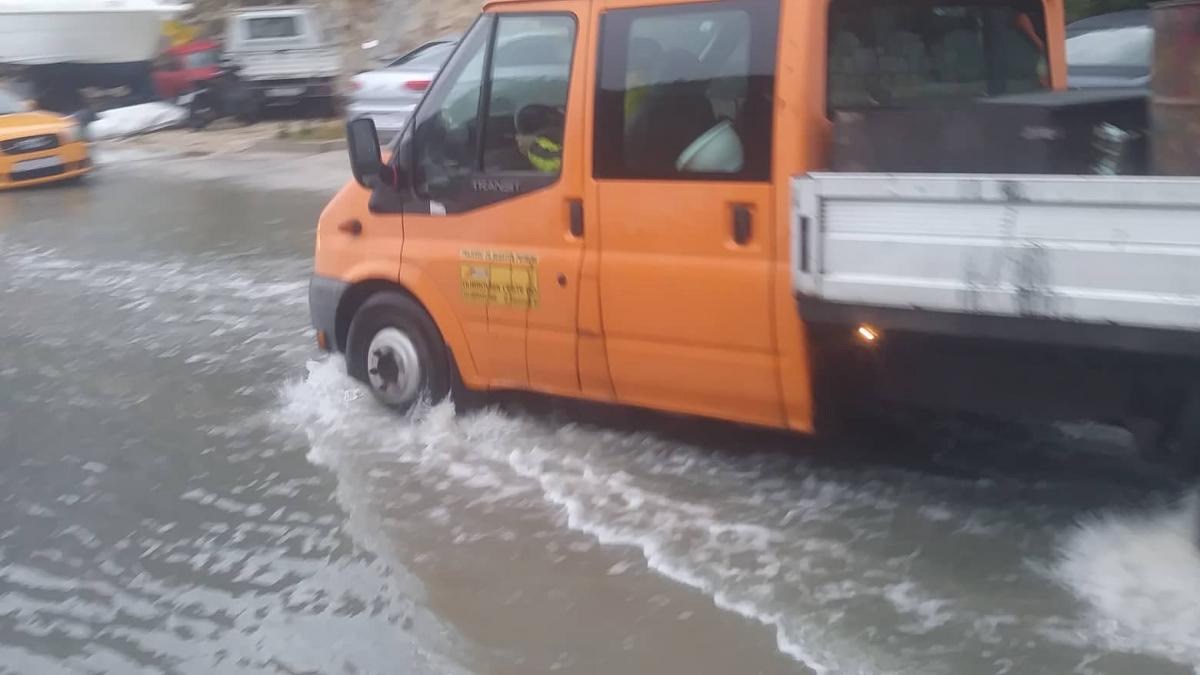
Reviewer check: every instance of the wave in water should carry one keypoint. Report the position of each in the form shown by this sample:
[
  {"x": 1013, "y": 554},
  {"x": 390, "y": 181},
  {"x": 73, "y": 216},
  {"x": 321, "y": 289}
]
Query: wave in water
[
  {"x": 1139, "y": 576},
  {"x": 857, "y": 569}
]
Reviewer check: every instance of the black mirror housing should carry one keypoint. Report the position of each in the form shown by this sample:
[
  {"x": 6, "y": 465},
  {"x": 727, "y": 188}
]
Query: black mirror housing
[{"x": 362, "y": 141}]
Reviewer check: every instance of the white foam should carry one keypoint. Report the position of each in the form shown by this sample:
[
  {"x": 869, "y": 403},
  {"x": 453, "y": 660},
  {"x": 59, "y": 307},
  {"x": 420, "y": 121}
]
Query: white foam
[
  {"x": 1139, "y": 575},
  {"x": 855, "y": 570},
  {"x": 811, "y": 552},
  {"x": 208, "y": 312},
  {"x": 734, "y": 562}
]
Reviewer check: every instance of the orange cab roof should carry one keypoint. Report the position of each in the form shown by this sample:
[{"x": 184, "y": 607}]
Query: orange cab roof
[{"x": 491, "y": 3}]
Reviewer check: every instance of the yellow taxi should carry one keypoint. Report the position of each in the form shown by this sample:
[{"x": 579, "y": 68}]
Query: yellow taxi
[{"x": 38, "y": 147}]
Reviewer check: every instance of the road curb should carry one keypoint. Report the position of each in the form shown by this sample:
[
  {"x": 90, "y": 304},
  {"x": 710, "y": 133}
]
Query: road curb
[{"x": 302, "y": 147}]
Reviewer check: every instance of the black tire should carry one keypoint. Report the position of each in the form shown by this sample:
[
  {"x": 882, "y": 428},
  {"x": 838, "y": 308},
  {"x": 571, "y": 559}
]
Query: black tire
[
  {"x": 323, "y": 108},
  {"x": 251, "y": 110},
  {"x": 381, "y": 368},
  {"x": 1183, "y": 441},
  {"x": 200, "y": 113}
]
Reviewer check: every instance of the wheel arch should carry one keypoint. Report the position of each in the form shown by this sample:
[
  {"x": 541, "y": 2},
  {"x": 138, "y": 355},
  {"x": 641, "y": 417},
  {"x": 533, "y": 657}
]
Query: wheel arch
[{"x": 447, "y": 325}]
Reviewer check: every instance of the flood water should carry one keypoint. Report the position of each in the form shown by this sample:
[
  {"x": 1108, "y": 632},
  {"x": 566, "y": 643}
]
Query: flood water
[{"x": 187, "y": 486}]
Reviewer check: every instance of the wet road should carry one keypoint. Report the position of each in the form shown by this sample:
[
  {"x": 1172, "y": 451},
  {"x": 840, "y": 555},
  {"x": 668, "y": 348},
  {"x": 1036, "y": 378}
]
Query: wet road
[{"x": 187, "y": 487}]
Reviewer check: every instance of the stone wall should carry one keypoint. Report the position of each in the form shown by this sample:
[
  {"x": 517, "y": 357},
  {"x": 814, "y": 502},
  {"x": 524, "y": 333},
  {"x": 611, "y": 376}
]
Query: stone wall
[{"x": 433, "y": 18}]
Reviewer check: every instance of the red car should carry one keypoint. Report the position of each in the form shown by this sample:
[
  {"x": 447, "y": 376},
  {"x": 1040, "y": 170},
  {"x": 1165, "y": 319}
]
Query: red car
[{"x": 179, "y": 68}]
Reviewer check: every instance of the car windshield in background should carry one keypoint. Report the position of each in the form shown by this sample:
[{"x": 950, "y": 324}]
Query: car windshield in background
[
  {"x": 201, "y": 59},
  {"x": 272, "y": 27},
  {"x": 10, "y": 104},
  {"x": 431, "y": 57},
  {"x": 883, "y": 55},
  {"x": 1129, "y": 46}
]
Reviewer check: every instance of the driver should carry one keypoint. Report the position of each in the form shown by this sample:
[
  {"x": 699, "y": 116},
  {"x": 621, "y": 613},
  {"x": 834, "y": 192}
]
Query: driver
[{"x": 540, "y": 137}]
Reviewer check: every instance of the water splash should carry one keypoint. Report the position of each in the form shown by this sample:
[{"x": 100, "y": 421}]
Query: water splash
[
  {"x": 1139, "y": 575},
  {"x": 856, "y": 569}
]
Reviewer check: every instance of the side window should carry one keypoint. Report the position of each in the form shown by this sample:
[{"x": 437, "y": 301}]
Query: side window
[
  {"x": 530, "y": 75},
  {"x": 445, "y": 133},
  {"x": 271, "y": 27},
  {"x": 685, "y": 92},
  {"x": 882, "y": 55},
  {"x": 498, "y": 108}
]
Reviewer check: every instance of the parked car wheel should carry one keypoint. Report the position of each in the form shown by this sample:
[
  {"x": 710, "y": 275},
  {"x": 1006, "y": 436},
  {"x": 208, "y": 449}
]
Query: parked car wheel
[
  {"x": 324, "y": 107},
  {"x": 395, "y": 348},
  {"x": 251, "y": 111},
  {"x": 201, "y": 112}
]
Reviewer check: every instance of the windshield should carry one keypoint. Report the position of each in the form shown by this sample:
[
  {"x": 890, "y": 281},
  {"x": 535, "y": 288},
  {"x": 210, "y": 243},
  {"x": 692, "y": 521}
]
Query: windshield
[
  {"x": 272, "y": 27},
  {"x": 201, "y": 59},
  {"x": 10, "y": 104},
  {"x": 1131, "y": 46},
  {"x": 431, "y": 57},
  {"x": 883, "y": 55}
]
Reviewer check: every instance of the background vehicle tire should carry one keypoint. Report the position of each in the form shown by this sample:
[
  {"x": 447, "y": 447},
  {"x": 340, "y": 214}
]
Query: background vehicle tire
[
  {"x": 395, "y": 348},
  {"x": 1184, "y": 438},
  {"x": 250, "y": 110},
  {"x": 200, "y": 112},
  {"x": 325, "y": 107}
]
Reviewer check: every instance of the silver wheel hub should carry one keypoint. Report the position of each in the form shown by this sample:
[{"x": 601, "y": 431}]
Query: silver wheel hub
[{"x": 393, "y": 368}]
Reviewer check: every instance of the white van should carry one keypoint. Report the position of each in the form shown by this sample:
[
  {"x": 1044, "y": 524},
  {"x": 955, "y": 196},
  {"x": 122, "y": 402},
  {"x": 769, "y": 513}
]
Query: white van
[{"x": 285, "y": 54}]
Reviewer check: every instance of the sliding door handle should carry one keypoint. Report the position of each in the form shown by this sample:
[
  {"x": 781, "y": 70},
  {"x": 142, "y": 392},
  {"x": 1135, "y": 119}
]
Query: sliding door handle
[{"x": 576, "y": 208}]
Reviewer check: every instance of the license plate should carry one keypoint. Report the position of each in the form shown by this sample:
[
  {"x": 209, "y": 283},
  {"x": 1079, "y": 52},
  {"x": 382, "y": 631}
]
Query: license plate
[
  {"x": 285, "y": 91},
  {"x": 35, "y": 164}
]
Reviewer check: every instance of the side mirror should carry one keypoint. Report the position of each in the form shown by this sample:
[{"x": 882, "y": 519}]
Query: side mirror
[{"x": 363, "y": 143}]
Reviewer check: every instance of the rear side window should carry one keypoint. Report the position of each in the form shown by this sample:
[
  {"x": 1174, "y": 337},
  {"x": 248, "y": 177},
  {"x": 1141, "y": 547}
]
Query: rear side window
[
  {"x": 883, "y": 54},
  {"x": 272, "y": 27},
  {"x": 685, "y": 92}
]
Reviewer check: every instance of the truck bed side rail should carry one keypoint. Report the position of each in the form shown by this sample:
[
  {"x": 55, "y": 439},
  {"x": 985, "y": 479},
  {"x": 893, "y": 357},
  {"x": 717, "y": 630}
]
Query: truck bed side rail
[{"x": 1115, "y": 251}]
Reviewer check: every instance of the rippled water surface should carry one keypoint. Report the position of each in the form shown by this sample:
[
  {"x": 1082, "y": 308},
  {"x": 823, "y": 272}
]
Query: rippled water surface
[{"x": 187, "y": 487}]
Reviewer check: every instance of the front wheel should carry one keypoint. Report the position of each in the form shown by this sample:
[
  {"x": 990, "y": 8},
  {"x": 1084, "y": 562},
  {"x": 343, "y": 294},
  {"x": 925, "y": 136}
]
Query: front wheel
[
  {"x": 201, "y": 112},
  {"x": 323, "y": 108},
  {"x": 250, "y": 109},
  {"x": 395, "y": 348}
]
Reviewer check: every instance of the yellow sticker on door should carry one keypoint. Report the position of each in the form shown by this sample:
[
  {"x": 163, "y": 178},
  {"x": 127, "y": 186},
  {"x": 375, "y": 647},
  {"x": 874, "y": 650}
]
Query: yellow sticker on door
[{"x": 499, "y": 278}]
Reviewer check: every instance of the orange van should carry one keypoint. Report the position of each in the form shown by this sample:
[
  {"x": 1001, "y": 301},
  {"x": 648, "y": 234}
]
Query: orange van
[{"x": 593, "y": 199}]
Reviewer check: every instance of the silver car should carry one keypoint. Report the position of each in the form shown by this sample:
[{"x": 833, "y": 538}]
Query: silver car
[
  {"x": 1110, "y": 50},
  {"x": 389, "y": 95}
]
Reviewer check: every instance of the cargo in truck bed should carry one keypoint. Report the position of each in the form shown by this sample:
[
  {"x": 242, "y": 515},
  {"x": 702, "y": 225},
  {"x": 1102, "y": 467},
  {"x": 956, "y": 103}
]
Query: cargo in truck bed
[{"x": 1050, "y": 132}]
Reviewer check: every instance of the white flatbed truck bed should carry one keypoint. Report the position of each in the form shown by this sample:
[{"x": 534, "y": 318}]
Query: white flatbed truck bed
[{"x": 1110, "y": 262}]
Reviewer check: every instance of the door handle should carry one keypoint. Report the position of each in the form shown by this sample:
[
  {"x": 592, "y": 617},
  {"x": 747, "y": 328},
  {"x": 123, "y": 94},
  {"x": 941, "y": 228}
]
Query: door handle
[
  {"x": 576, "y": 208},
  {"x": 743, "y": 224}
]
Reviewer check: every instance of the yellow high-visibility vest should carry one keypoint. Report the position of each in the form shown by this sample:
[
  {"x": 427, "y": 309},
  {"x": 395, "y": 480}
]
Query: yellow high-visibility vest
[{"x": 545, "y": 155}]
